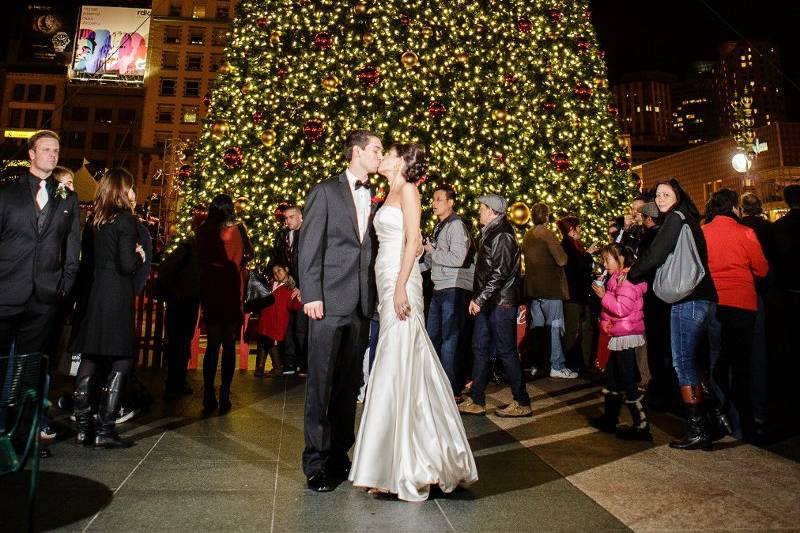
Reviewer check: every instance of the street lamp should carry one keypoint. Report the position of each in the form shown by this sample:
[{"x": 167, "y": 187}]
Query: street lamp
[{"x": 741, "y": 163}]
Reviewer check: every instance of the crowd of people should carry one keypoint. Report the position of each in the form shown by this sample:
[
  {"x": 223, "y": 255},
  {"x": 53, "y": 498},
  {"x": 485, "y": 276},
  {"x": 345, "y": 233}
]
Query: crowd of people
[{"x": 616, "y": 306}]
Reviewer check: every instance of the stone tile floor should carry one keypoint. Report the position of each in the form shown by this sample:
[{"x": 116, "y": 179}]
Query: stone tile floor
[{"x": 241, "y": 472}]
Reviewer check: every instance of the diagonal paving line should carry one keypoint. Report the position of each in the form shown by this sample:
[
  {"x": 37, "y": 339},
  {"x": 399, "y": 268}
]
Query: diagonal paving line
[
  {"x": 135, "y": 468},
  {"x": 278, "y": 462},
  {"x": 449, "y": 523}
]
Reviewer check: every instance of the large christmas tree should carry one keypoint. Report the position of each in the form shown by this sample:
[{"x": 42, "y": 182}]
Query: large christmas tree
[{"x": 508, "y": 96}]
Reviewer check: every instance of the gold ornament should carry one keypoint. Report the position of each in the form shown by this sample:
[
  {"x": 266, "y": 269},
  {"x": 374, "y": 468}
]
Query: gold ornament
[
  {"x": 427, "y": 31},
  {"x": 409, "y": 59},
  {"x": 463, "y": 57},
  {"x": 220, "y": 128},
  {"x": 268, "y": 137},
  {"x": 367, "y": 39},
  {"x": 275, "y": 38},
  {"x": 225, "y": 68},
  {"x": 330, "y": 83},
  {"x": 499, "y": 115},
  {"x": 520, "y": 214},
  {"x": 360, "y": 8},
  {"x": 245, "y": 88}
]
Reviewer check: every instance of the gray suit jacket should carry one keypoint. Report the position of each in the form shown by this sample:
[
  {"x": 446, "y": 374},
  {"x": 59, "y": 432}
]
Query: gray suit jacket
[{"x": 335, "y": 267}]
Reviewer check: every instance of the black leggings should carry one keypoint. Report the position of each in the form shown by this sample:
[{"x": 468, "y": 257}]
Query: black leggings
[
  {"x": 621, "y": 373},
  {"x": 89, "y": 364},
  {"x": 220, "y": 335}
]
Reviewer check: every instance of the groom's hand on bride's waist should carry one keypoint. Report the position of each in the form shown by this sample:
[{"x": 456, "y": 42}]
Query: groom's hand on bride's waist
[{"x": 314, "y": 310}]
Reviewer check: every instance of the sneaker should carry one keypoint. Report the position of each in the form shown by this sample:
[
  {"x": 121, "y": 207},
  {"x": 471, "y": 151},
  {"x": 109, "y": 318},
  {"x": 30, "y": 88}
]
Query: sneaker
[
  {"x": 289, "y": 372},
  {"x": 47, "y": 433},
  {"x": 468, "y": 407},
  {"x": 514, "y": 410},
  {"x": 564, "y": 373},
  {"x": 534, "y": 371},
  {"x": 125, "y": 414}
]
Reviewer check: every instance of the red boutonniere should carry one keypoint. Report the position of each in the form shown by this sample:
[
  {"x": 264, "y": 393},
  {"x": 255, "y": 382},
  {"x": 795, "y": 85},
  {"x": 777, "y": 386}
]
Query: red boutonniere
[{"x": 379, "y": 197}]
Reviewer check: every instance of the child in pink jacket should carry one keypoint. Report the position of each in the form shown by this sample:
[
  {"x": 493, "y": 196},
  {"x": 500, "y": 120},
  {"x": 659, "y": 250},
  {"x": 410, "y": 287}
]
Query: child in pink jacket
[{"x": 622, "y": 317}]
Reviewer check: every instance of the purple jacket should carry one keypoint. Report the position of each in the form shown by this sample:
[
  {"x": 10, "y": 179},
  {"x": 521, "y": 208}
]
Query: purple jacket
[{"x": 623, "y": 307}]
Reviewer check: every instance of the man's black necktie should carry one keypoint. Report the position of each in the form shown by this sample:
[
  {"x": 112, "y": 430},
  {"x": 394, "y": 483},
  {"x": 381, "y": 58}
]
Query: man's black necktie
[{"x": 360, "y": 184}]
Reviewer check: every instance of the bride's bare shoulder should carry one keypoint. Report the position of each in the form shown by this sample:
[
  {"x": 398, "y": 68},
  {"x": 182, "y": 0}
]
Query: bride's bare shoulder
[{"x": 409, "y": 193}]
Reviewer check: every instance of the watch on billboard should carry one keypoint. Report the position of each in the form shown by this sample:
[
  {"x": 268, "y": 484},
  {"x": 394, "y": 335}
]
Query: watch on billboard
[
  {"x": 47, "y": 31},
  {"x": 111, "y": 45}
]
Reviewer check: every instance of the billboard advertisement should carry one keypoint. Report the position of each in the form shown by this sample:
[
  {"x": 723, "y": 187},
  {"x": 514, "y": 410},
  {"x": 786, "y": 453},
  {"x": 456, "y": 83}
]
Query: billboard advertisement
[
  {"x": 111, "y": 45},
  {"x": 47, "y": 32}
]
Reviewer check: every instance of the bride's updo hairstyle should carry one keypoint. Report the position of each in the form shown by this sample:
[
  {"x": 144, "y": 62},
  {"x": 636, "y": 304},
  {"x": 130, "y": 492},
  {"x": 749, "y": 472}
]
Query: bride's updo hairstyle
[{"x": 414, "y": 157}]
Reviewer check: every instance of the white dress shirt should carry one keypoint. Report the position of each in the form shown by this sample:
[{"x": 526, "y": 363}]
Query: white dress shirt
[{"x": 361, "y": 199}]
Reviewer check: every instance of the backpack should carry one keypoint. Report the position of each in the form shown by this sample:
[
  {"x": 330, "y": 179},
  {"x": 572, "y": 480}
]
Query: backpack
[{"x": 683, "y": 269}]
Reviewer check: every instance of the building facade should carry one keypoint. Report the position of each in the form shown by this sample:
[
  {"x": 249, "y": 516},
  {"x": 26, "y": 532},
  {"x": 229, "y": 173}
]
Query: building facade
[
  {"x": 695, "y": 102},
  {"x": 707, "y": 168}
]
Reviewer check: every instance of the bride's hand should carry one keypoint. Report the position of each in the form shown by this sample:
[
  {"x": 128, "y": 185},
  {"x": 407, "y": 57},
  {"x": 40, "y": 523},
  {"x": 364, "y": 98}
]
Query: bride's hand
[{"x": 401, "y": 306}]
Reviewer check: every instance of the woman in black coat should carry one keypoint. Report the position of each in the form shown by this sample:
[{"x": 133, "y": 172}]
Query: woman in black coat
[{"x": 106, "y": 331}]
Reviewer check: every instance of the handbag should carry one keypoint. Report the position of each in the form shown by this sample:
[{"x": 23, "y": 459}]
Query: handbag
[
  {"x": 603, "y": 353},
  {"x": 682, "y": 271},
  {"x": 257, "y": 294}
]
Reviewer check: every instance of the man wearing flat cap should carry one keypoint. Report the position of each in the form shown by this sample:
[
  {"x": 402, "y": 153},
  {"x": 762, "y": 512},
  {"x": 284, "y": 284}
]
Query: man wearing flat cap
[{"x": 495, "y": 298}]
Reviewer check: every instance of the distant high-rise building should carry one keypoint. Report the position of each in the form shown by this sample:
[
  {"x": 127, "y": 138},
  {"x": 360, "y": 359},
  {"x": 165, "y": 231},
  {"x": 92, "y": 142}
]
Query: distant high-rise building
[
  {"x": 695, "y": 113},
  {"x": 750, "y": 68}
]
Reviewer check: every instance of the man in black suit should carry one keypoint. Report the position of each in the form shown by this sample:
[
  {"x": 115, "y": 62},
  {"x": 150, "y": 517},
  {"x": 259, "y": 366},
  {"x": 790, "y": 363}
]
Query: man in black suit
[
  {"x": 335, "y": 271},
  {"x": 285, "y": 252},
  {"x": 39, "y": 248}
]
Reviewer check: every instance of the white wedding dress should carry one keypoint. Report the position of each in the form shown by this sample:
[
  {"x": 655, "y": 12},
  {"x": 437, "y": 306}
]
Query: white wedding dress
[{"x": 411, "y": 434}]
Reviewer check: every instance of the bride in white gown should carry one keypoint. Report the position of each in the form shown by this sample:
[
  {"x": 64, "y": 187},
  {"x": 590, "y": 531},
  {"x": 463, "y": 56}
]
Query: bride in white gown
[{"x": 411, "y": 434}]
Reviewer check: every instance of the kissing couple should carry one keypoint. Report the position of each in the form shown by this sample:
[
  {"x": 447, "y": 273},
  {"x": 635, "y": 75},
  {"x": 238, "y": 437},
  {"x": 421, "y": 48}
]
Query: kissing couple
[{"x": 411, "y": 434}]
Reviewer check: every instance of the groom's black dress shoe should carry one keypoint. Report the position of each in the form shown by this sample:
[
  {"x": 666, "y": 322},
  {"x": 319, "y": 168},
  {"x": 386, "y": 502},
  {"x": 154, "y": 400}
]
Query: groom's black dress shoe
[
  {"x": 340, "y": 473},
  {"x": 319, "y": 482}
]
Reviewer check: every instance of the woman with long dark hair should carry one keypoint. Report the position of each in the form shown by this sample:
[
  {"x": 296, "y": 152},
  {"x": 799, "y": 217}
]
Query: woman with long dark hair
[
  {"x": 219, "y": 256},
  {"x": 689, "y": 317},
  {"x": 111, "y": 257}
]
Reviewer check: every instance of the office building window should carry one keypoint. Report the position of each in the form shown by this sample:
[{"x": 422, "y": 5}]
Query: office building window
[
  {"x": 124, "y": 141},
  {"x": 49, "y": 93},
  {"x": 47, "y": 119},
  {"x": 191, "y": 88},
  {"x": 189, "y": 115},
  {"x": 218, "y": 36},
  {"x": 100, "y": 140},
  {"x": 103, "y": 115},
  {"x": 172, "y": 34},
  {"x": 169, "y": 60},
  {"x": 199, "y": 11},
  {"x": 75, "y": 139},
  {"x": 79, "y": 114},
  {"x": 34, "y": 93},
  {"x": 194, "y": 62},
  {"x": 216, "y": 60},
  {"x": 197, "y": 35},
  {"x": 31, "y": 118},
  {"x": 165, "y": 114},
  {"x": 168, "y": 86},
  {"x": 223, "y": 10},
  {"x": 15, "y": 118},
  {"x": 126, "y": 115},
  {"x": 19, "y": 92},
  {"x": 175, "y": 8}
]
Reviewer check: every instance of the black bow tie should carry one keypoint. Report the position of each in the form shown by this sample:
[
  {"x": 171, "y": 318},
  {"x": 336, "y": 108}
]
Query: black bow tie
[{"x": 360, "y": 184}]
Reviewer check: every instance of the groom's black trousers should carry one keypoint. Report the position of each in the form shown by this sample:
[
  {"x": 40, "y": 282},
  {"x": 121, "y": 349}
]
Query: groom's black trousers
[{"x": 336, "y": 346}]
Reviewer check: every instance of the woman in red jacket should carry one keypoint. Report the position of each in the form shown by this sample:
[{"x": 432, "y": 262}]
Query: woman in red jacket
[
  {"x": 274, "y": 319},
  {"x": 734, "y": 258}
]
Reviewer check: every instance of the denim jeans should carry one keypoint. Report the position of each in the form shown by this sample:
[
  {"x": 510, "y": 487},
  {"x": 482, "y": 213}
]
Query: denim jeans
[
  {"x": 446, "y": 317},
  {"x": 688, "y": 326},
  {"x": 550, "y": 313},
  {"x": 496, "y": 327}
]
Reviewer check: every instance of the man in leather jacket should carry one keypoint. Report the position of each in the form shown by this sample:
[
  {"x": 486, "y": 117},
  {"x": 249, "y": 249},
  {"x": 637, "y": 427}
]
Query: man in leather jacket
[{"x": 495, "y": 299}]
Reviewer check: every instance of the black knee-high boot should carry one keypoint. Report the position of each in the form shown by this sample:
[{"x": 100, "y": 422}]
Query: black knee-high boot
[
  {"x": 612, "y": 405},
  {"x": 640, "y": 429},
  {"x": 82, "y": 407},
  {"x": 106, "y": 436},
  {"x": 698, "y": 434}
]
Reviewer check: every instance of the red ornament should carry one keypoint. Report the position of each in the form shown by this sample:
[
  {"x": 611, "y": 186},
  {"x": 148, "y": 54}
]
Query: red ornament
[
  {"x": 323, "y": 40},
  {"x": 233, "y": 157},
  {"x": 405, "y": 20},
  {"x": 500, "y": 158},
  {"x": 313, "y": 129},
  {"x": 524, "y": 25},
  {"x": 554, "y": 14},
  {"x": 613, "y": 110},
  {"x": 184, "y": 171},
  {"x": 509, "y": 79},
  {"x": 258, "y": 117},
  {"x": 601, "y": 54},
  {"x": 369, "y": 76},
  {"x": 622, "y": 163},
  {"x": 560, "y": 161},
  {"x": 583, "y": 91},
  {"x": 207, "y": 99},
  {"x": 283, "y": 72},
  {"x": 582, "y": 43},
  {"x": 549, "y": 106},
  {"x": 289, "y": 164},
  {"x": 262, "y": 22},
  {"x": 436, "y": 110}
]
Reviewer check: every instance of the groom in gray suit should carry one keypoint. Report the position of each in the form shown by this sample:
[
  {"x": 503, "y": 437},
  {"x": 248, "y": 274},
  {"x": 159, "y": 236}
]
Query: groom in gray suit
[{"x": 336, "y": 272}]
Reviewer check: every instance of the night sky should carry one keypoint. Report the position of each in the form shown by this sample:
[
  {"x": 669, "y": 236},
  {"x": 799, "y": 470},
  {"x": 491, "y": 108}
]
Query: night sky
[{"x": 669, "y": 35}]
